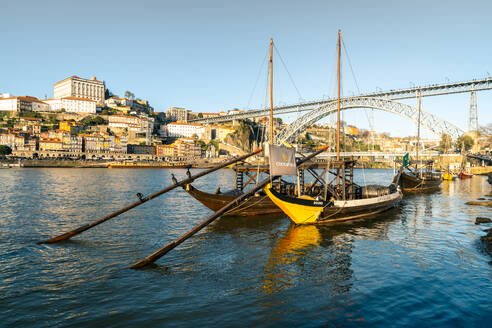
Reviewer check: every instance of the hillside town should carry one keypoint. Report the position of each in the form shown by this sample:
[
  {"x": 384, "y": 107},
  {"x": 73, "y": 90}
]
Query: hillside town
[{"x": 85, "y": 121}]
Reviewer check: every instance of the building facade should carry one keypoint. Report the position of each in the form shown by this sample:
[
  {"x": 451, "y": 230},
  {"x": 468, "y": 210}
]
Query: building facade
[
  {"x": 72, "y": 105},
  {"x": 78, "y": 87},
  {"x": 23, "y": 104},
  {"x": 127, "y": 106},
  {"x": 175, "y": 114},
  {"x": 185, "y": 130}
]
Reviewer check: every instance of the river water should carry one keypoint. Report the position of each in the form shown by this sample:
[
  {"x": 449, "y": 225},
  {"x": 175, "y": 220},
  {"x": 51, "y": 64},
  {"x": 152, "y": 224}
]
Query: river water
[{"x": 419, "y": 264}]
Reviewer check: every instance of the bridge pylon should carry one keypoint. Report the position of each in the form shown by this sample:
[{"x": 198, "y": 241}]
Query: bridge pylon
[{"x": 473, "y": 113}]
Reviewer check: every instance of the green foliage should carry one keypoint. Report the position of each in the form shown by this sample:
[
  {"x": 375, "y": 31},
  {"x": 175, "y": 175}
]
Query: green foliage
[
  {"x": 202, "y": 144},
  {"x": 445, "y": 142},
  {"x": 52, "y": 120},
  {"x": 143, "y": 143},
  {"x": 30, "y": 114},
  {"x": 105, "y": 111},
  {"x": 200, "y": 115},
  {"x": 129, "y": 95},
  {"x": 465, "y": 142},
  {"x": 5, "y": 150},
  {"x": 215, "y": 143},
  {"x": 94, "y": 120}
]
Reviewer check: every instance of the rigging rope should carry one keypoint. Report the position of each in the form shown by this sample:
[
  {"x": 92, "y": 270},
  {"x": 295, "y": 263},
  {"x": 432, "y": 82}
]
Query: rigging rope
[{"x": 257, "y": 79}]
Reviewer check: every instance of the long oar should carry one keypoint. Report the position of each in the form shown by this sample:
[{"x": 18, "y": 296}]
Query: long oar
[
  {"x": 142, "y": 200},
  {"x": 162, "y": 251}
]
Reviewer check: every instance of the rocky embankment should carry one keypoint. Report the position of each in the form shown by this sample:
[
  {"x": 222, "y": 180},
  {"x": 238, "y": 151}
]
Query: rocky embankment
[{"x": 487, "y": 239}]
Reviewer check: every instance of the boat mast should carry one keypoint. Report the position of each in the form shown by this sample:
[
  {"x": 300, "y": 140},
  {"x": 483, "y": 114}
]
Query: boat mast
[
  {"x": 338, "y": 101},
  {"x": 271, "y": 91}
]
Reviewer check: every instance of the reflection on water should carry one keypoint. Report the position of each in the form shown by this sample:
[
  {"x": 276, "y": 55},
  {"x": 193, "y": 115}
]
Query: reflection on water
[{"x": 419, "y": 264}]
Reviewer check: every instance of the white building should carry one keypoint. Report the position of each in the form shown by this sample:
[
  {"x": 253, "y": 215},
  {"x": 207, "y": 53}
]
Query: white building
[
  {"x": 132, "y": 123},
  {"x": 24, "y": 104},
  {"x": 72, "y": 105},
  {"x": 75, "y": 86},
  {"x": 185, "y": 130},
  {"x": 175, "y": 114}
]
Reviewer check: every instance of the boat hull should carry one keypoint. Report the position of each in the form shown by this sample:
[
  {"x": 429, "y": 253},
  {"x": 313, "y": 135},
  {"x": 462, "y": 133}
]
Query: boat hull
[
  {"x": 464, "y": 175},
  {"x": 411, "y": 183},
  {"x": 448, "y": 176},
  {"x": 258, "y": 204},
  {"x": 305, "y": 211}
]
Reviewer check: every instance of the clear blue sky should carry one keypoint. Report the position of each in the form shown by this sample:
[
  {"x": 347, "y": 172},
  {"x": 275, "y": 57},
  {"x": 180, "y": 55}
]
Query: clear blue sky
[{"x": 206, "y": 55}]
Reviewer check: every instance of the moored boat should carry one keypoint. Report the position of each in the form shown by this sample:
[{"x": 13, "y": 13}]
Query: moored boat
[
  {"x": 465, "y": 175},
  {"x": 342, "y": 199},
  {"x": 448, "y": 176},
  {"x": 411, "y": 182},
  {"x": 417, "y": 179},
  {"x": 355, "y": 202},
  {"x": 258, "y": 204}
]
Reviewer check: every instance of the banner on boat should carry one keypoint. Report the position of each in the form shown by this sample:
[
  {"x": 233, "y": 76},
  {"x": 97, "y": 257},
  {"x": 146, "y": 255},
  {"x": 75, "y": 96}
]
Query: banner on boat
[{"x": 282, "y": 160}]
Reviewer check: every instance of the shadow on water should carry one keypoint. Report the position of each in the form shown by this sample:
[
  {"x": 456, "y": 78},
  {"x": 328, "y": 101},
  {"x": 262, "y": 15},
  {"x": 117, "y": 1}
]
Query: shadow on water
[{"x": 231, "y": 224}]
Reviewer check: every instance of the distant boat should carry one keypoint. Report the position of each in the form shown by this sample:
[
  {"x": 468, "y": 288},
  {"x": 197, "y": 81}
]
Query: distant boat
[
  {"x": 420, "y": 180},
  {"x": 417, "y": 178},
  {"x": 465, "y": 175},
  {"x": 448, "y": 176}
]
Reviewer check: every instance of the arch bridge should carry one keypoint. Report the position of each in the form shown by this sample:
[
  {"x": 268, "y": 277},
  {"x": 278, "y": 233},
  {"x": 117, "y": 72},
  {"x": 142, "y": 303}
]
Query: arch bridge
[
  {"x": 427, "y": 120},
  {"x": 390, "y": 95}
]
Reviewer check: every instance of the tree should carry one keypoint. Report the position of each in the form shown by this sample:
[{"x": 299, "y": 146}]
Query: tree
[
  {"x": 200, "y": 115},
  {"x": 94, "y": 120},
  {"x": 445, "y": 142},
  {"x": 108, "y": 94},
  {"x": 5, "y": 150},
  {"x": 465, "y": 142},
  {"x": 129, "y": 95}
]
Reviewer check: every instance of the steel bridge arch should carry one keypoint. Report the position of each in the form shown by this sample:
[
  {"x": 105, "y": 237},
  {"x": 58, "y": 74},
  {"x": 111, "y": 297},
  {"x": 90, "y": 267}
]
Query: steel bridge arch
[{"x": 428, "y": 121}]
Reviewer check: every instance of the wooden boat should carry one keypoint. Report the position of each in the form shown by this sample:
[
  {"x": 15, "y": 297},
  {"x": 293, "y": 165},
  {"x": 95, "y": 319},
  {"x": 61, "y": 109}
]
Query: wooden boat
[
  {"x": 342, "y": 202},
  {"x": 342, "y": 199},
  {"x": 258, "y": 204},
  {"x": 423, "y": 180},
  {"x": 419, "y": 175},
  {"x": 448, "y": 176},
  {"x": 465, "y": 175}
]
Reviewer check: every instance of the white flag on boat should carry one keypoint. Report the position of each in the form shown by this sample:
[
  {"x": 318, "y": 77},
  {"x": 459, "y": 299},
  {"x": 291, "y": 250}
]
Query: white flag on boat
[{"x": 282, "y": 160}]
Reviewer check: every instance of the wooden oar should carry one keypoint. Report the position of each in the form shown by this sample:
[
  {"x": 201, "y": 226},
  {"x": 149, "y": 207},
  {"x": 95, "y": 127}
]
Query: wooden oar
[
  {"x": 162, "y": 251},
  {"x": 142, "y": 200}
]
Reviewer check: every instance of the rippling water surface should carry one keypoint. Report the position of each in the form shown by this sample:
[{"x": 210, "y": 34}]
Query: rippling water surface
[{"x": 417, "y": 265}]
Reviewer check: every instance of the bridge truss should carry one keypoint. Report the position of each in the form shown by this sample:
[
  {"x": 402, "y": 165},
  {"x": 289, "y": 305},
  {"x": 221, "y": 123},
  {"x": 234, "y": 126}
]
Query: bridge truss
[
  {"x": 428, "y": 121},
  {"x": 427, "y": 91}
]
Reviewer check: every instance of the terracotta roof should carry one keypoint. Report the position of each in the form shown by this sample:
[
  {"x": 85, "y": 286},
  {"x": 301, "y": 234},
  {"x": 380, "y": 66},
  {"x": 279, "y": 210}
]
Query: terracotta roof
[
  {"x": 184, "y": 123},
  {"x": 50, "y": 140},
  {"x": 31, "y": 118}
]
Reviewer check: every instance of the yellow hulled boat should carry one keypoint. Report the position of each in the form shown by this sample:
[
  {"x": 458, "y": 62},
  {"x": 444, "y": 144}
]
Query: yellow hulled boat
[{"x": 448, "y": 176}]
